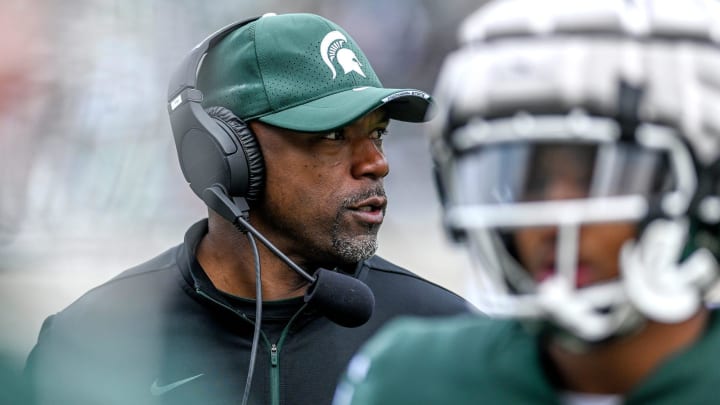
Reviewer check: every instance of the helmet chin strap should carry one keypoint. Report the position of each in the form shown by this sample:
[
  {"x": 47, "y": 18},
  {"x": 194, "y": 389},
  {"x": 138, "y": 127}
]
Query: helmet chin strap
[
  {"x": 653, "y": 284},
  {"x": 579, "y": 320},
  {"x": 657, "y": 284},
  {"x": 592, "y": 313}
]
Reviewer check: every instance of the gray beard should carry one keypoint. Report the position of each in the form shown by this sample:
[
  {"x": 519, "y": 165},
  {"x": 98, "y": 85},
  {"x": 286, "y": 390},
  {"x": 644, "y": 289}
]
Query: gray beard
[{"x": 353, "y": 250}]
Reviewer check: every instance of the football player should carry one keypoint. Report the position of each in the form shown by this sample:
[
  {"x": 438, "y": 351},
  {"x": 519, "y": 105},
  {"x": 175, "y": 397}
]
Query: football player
[{"x": 578, "y": 158}]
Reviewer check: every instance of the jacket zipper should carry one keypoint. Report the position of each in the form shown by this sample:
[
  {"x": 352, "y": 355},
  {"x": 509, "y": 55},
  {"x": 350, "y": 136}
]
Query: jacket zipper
[
  {"x": 274, "y": 347},
  {"x": 273, "y": 355},
  {"x": 274, "y": 375},
  {"x": 275, "y": 360}
]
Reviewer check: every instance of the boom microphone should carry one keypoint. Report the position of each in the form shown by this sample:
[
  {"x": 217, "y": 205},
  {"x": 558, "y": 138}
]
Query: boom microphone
[{"x": 342, "y": 299}]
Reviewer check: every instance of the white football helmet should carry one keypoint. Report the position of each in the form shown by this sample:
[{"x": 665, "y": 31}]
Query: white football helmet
[{"x": 621, "y": 97}]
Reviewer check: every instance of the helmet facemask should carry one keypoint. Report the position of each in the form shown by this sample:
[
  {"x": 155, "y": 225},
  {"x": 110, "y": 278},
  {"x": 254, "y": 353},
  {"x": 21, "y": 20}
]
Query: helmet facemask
[
  {"x": 626, "y": 94},
  {"x": 525, "y": 190}
]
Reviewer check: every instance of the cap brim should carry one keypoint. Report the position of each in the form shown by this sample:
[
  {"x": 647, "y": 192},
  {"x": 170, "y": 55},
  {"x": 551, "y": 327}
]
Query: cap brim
[{"x": 341, "y": 109}]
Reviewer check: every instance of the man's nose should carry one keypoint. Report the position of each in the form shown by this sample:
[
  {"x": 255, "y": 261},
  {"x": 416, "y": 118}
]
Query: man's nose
[{"x": 368, "y": 159}]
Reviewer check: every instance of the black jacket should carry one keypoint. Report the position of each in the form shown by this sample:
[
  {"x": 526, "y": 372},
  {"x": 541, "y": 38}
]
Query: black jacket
[{"x": 161, "y": 333}]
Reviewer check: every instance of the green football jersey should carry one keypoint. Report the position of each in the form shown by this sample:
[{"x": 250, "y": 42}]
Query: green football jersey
[{"x": 477, "y": 360}]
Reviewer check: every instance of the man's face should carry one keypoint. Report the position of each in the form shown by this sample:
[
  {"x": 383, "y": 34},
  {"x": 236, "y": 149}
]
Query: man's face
[
  {"x": 560, "y": 173},
  {"x": 324, "y": 200}
]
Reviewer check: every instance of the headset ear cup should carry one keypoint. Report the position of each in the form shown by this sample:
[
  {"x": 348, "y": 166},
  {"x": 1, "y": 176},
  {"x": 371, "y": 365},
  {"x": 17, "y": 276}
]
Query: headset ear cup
[{"x": 249, "y": 146}]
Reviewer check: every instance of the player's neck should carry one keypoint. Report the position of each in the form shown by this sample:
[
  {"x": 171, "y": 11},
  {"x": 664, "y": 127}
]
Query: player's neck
[
  {"x": 620, "y": 365},
  {"x": 226, "y": 257}
]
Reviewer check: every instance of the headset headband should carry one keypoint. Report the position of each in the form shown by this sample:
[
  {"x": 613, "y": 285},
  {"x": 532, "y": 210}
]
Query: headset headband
[{"x": 206, "y": 152}]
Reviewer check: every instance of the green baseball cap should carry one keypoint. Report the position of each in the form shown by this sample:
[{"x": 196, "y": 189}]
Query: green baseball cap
[{"x": 300, "y": 72}]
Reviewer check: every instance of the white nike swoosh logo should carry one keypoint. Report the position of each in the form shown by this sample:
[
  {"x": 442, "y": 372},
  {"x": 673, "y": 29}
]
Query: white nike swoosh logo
[{"x": 157, "y": 390}]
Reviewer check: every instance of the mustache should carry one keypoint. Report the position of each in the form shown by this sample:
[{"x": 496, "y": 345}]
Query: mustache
[{"x": 376, "y": 191}]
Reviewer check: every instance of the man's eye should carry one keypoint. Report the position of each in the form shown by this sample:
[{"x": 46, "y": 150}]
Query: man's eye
[
  {"x": 334, "y": 135},
  {"x": 379, "y": 133}
]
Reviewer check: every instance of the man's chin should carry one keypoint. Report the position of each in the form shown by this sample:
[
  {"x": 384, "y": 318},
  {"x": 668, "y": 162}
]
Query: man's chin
[{"x": 353, "y": 250}]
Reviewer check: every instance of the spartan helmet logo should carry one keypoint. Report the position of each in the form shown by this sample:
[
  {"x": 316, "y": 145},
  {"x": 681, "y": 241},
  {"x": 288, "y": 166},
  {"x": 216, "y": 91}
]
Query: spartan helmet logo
[{"x": 331, "y": 48}]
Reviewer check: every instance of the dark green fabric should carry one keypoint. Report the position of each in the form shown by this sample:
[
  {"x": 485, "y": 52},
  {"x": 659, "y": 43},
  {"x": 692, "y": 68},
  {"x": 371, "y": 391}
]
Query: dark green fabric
[
  {"x": 279, "y": 69},
  {"x": 474, "y": 360}
]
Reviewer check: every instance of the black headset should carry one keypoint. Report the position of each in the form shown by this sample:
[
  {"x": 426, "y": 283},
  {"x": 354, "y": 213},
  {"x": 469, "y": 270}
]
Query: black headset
[{"x": 214, "y": 146}]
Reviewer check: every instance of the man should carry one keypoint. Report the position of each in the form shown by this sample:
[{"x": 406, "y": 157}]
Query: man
[
  {"x": 578, "y": 153},
  {"x": 281, "y": 133}
]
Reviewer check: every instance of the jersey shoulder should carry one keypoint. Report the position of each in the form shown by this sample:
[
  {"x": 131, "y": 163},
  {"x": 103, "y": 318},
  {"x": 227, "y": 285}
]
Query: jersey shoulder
[
  {"x": 688, "y": 377},
  {"x": 439, "y": 339},
  {"x": 453, "y": 360}
]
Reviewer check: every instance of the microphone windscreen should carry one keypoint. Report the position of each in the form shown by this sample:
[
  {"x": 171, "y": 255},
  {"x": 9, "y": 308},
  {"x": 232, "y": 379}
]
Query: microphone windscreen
[{"x": 343, "y": 299}]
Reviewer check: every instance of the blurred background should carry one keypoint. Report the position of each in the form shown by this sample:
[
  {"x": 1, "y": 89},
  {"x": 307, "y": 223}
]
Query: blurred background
[{"x": 89, "y": 180}]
